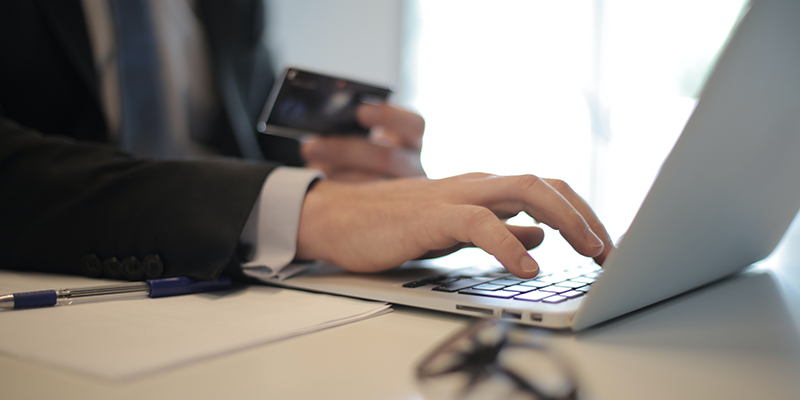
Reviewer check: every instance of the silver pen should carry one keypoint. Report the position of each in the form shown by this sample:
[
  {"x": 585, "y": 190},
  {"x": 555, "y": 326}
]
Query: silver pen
[{"x": 151, "y": 288}]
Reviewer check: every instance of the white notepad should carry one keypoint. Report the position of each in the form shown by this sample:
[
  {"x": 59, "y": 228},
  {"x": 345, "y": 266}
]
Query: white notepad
[{"x": 126, "y": 339}]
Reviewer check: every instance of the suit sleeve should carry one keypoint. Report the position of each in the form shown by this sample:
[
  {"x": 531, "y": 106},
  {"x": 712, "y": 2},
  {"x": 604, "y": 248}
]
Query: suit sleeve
[{"x": 62, "y": 201}]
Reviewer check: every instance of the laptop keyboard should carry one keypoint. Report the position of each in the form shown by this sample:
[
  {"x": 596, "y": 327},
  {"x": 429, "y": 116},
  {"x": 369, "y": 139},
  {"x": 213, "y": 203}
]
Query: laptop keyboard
[{"x": 547, "y": 287}]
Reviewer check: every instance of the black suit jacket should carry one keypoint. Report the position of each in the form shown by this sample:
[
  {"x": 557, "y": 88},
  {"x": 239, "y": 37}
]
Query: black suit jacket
[{"x": 66, "y": 197}]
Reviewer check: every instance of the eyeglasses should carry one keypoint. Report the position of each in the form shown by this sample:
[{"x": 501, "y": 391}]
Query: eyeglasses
[{"x": 488, "y": 361}]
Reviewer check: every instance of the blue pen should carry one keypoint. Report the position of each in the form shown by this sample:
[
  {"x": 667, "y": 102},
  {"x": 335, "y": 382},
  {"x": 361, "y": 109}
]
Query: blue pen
[{"x": 152, "y": 288}]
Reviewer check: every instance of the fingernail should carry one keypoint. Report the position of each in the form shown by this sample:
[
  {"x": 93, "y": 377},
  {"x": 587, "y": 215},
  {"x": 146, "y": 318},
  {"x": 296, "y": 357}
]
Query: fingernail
[
  {"x": 311, "y": 148},
  {"x": 367, "y": 114},
  {"x": 592, "y": 238},
  {"x": 528, "y": 264}
]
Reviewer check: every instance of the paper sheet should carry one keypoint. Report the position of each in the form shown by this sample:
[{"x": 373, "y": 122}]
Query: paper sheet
[{"x": 125, "y": 339}]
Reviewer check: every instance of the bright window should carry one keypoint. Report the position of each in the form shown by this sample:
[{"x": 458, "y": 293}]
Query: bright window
[{"x": 590, "y": 91}]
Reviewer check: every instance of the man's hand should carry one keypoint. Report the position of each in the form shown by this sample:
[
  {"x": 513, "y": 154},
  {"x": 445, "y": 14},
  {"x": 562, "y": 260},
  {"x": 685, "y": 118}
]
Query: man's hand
[
  {"x": 392, "y": 150},
  {"x": 376, "y": 226}
]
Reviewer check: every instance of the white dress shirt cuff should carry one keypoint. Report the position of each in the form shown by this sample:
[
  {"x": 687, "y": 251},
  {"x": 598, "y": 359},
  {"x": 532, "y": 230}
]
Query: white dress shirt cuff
[{"x": 274, "y": 222}]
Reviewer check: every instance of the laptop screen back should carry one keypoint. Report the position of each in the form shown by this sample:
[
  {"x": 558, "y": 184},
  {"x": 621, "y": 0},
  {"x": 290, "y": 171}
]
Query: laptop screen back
[{"x": 731, "y": 185}]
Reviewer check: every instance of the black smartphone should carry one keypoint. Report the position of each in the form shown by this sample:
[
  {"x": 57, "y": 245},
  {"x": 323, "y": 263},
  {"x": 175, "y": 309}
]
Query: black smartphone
[{"x": 305, "y": 102}]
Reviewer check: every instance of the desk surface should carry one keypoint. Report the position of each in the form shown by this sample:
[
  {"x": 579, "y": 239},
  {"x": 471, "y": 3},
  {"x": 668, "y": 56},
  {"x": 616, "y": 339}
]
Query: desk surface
[{"x": 737, "y": 339}]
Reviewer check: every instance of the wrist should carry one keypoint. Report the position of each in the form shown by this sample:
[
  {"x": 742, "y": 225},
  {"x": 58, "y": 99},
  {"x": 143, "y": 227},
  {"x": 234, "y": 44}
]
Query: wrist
[{"x": 313, "y": 218}]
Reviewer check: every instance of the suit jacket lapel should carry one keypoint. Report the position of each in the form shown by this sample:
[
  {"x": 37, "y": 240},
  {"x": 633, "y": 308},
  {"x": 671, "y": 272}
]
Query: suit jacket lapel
[{"x": 241, "y": 65}]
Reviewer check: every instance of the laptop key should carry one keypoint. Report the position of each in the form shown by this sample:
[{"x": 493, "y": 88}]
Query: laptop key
[
  {"x": 458, "y": 285},
  {"x": 501, "y": 275},
  {"x": 520, "y": 288},
  {"x": 572, "y": 284},
  {"x": 534, "y": 296},
  {"x": 535, "y": 284},
  {"x": 554, "y": 299},
  {"x": 552, "y": 279},
  {"x": 505, "y": 282},
  {"x": 572, "y": 294},
  {"x": 488, "y": 286},
  {"x": 500, "y": 294},
  {"x": 440, "y": 279},
  {"x": 556, "y": 289}
]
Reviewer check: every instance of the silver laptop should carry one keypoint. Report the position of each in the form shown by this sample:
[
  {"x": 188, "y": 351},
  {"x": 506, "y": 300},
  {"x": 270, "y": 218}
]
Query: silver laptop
[{"x": 723, "y": 199}]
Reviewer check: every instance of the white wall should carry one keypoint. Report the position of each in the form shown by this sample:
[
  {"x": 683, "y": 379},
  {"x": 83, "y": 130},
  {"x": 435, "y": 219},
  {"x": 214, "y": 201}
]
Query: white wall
[{"x": 360, "y": 39}]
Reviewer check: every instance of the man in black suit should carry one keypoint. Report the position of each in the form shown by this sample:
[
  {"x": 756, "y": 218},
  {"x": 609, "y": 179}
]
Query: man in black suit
[{"x": 71, "y": 203}]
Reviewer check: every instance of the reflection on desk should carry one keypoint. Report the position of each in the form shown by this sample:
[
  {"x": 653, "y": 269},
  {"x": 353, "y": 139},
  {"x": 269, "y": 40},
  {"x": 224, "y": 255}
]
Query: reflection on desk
[{"x": 735, "y": 339}]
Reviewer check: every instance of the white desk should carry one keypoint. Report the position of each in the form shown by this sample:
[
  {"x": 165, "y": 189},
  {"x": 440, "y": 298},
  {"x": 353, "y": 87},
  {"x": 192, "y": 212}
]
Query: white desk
[{"x": 712, "y": 343}]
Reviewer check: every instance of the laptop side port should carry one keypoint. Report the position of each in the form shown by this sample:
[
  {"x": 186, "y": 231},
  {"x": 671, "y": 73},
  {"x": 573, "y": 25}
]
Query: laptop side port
[
  {"x": 536, "y": 317},
  {"x": 515, "y": 315},
  {"x": 487, "y": 311}
]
